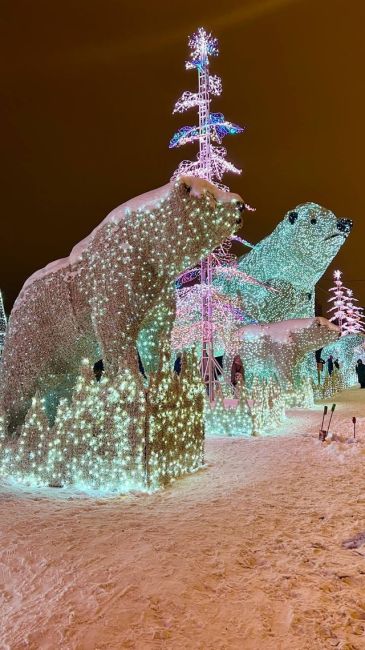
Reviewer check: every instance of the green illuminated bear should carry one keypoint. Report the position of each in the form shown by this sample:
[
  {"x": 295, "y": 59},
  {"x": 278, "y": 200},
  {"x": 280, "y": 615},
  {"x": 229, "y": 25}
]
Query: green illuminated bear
[{"x": 292, "y": 260}]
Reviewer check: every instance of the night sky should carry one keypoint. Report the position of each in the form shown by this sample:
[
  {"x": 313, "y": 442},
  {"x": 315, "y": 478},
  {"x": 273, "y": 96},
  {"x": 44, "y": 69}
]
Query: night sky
[{"x": 86, "y": 94}]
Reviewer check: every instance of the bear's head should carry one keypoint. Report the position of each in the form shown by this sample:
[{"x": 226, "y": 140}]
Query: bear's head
[
  {"x": 196, "y": 217},
  {"x": 310, "y": 237}
]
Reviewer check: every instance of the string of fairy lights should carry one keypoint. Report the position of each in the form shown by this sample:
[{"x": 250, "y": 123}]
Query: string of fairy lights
[
  {"x": 116, "y": 294},
  {"x": 122, "y": 432}
]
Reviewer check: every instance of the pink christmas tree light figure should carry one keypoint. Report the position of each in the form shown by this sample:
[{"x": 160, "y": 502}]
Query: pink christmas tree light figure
[
  {"x": 228, "y": 313},
  {"x": 211, "y": 161},
  {"x": 210, "y": 164}
]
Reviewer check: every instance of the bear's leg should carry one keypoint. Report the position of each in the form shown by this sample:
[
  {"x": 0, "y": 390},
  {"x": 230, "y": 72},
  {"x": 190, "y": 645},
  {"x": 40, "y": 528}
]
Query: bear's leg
[
  {"x": 116, "y": 339},
  {"x": 119, "y": 334},
  {"x": 52, "y": 389},
  {"x": 155, "y": 331},
  {"x": 62, "y": 388},
  {"x": 16, "y": 402}
]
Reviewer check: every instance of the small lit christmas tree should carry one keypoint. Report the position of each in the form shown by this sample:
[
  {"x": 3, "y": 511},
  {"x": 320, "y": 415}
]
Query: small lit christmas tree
[
  {"x": 339, "y": 299},
  {"x": 354, "y": 315}
]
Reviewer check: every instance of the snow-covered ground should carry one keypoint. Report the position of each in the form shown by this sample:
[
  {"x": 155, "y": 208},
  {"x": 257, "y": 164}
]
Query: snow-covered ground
[{"x": 253, "y": 552}]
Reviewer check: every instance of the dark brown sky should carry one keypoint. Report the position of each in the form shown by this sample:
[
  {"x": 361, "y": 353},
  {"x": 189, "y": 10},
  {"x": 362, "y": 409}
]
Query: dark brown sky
[{"x": 86, "y": 93}]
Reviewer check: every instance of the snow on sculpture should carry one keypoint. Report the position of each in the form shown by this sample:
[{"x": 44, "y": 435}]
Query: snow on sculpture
[
  {"x": 93, "y": 304},
  {"x": 292, "y": 259}
]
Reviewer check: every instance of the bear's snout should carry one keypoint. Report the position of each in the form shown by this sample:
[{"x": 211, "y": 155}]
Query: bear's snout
[{"x": 344, "y": 225}]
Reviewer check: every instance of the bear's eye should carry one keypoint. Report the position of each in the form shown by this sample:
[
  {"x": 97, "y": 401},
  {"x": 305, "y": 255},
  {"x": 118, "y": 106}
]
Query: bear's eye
[
  {"x": 313, "y": 221},
  {"x": 293, "y": 216}
]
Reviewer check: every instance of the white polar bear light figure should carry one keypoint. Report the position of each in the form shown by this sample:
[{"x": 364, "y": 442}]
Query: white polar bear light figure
[
  {"x": 271, "y": 355},
  {"x": 277, "y": 349},
  {"x": 93, "y": 303}
]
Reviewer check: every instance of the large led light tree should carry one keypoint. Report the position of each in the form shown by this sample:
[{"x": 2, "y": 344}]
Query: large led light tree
[{"x": 210, "y": 164}]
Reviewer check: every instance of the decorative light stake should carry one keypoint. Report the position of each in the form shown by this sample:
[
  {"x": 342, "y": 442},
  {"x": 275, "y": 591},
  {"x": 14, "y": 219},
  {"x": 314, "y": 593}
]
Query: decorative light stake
[{"x": 210, "y": 164}]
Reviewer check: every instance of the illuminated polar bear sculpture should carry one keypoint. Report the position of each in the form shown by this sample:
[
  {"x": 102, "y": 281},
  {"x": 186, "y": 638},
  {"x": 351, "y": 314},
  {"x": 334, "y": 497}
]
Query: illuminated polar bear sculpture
[
  {"x": 277, "y": 349},
  {"x": 93, "y": 303},
  {"x": 292, "y": 259},
  {"x": 271, "y": 355}
]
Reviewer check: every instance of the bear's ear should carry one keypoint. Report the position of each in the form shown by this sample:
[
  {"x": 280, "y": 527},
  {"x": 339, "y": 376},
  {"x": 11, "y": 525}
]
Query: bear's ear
[{"x": 293, "y": 216}]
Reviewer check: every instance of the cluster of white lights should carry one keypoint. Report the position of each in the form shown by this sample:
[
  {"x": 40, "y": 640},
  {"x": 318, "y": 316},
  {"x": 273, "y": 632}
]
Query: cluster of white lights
[
  {"x": 113, "y": 435},
  {"x": 255, "y": 411},
  {"x": 331, "y": 385},
  {"x": 346, "y": 352},
  {"x": 117, "y": 293}
]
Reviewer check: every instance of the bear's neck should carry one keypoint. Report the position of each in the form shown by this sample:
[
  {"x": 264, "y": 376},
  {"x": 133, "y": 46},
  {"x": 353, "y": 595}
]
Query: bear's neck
[{"x": 268, "y": 261}]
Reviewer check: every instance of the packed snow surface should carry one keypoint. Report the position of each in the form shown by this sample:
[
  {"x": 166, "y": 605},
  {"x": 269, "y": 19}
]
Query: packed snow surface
[{"x": 262, "y": 550}]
